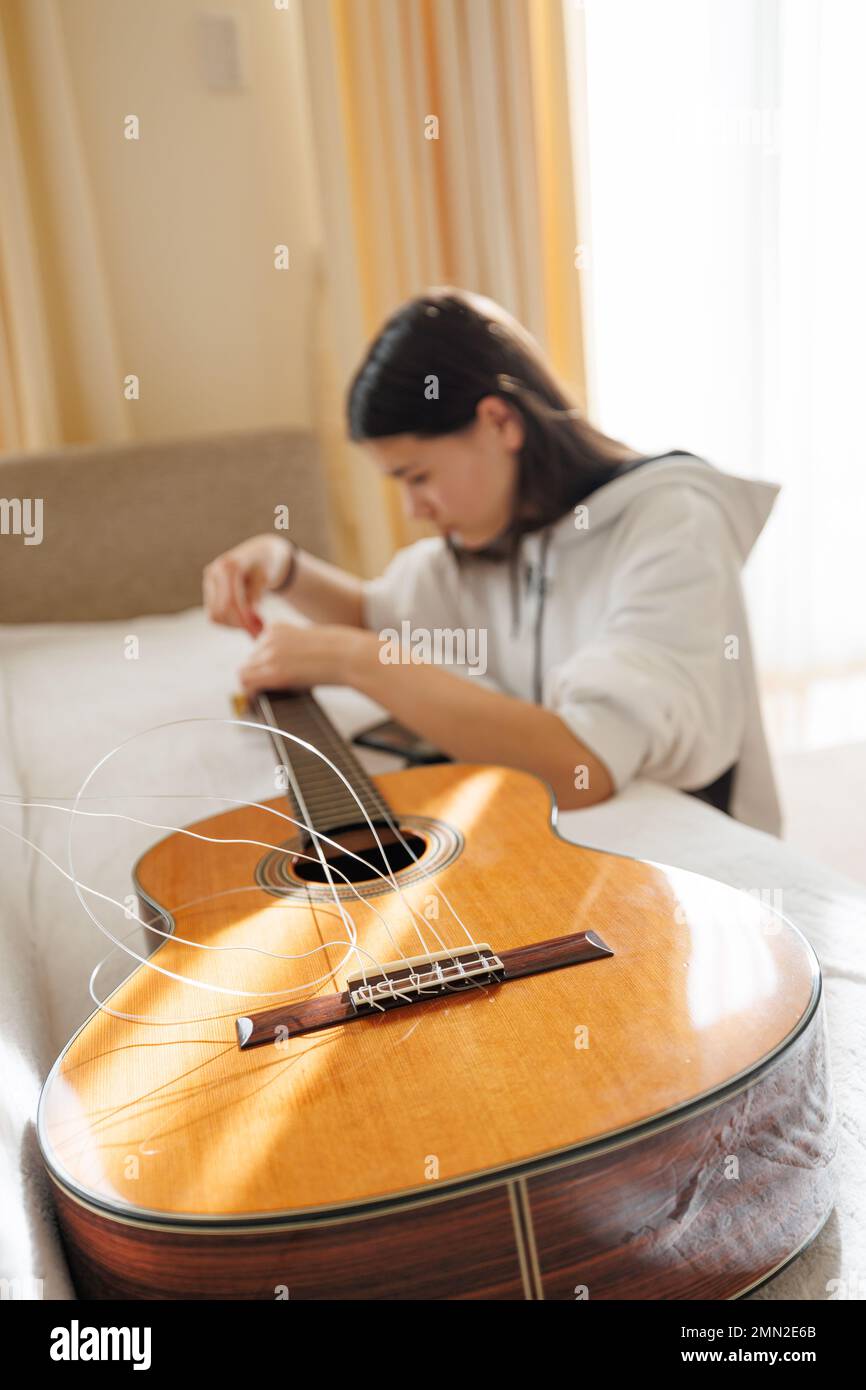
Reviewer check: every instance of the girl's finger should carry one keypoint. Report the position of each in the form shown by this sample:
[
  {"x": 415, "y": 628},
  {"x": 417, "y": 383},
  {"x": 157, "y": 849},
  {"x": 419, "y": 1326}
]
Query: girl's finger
[
  {"x": 235, "y": 596},
  {"x": 239, "y": 594},
  {"x": 226, "y": 611}
]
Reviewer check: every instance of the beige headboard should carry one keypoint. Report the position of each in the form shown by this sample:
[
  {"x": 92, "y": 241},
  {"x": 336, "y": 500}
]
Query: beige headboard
[{"x": 127, "y": 529}]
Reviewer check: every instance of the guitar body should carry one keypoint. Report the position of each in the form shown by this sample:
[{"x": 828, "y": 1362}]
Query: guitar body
[{"x": 657, "y": 1123}]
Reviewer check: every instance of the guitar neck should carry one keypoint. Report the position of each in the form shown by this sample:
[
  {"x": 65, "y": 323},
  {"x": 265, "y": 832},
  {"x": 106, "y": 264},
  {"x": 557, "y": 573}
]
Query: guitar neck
[{"x": 319, "y": 795}]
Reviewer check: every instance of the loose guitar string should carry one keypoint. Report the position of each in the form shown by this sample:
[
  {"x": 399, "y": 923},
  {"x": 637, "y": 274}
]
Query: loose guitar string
[
  {"x": 394, "y": 828},
  {"x": 346, "y": 1068},
  {"x": 170, "y": 936},
  {"x": 271, "y": 729},
  {"x": 351, "y": 934},
  {"x": 194, "y": 902},
  {"x": 174, "y": 936},
  {"x": 349, "y": 926},
  {"x": 351, "y": 931},
  {"x": 293, "y": 738},
  {"x": 265, "y": 701},
  {"x": 220, "y": 840}
]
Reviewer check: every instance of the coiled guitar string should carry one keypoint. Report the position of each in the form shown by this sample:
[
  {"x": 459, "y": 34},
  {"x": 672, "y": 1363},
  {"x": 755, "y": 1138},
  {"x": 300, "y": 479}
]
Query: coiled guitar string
[
  {"x": 172, "y": 936},
  {"x": 350, "y": 940},
  {"x": 317, "y": 835},
  {"x": 198, "y": 945}
]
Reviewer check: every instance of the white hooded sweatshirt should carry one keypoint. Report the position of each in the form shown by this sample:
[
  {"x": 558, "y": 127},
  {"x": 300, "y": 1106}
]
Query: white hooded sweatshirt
[{"x": 627, "y": 620}]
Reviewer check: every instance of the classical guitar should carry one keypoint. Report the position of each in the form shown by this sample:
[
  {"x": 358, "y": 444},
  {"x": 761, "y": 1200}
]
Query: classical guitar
[{"x": 442, "y": 1053}]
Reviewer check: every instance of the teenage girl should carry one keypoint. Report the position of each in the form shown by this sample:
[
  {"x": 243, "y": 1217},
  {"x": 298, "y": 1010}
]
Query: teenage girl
[{"x": 602, "y": 586}]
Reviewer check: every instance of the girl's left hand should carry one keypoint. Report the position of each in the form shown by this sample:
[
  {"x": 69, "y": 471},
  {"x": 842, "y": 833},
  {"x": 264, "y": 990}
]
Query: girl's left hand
[{"x": 286, "y": 656}]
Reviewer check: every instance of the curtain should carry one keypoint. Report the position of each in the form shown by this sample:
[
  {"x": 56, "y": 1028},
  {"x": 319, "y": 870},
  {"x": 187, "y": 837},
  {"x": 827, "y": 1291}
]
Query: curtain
[
  {"x": 489, "y": 205},
  {"x": 728, "y": 220},
  {"x": 60, "y": 378}
]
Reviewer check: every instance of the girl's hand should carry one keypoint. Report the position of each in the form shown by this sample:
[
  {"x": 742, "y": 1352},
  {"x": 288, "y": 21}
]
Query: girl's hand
[
  {"x": 289, "y": 657},
  {"x": 234, "y": 582}
]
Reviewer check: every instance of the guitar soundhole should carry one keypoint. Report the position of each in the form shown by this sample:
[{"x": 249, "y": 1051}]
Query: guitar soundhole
[
  {"x": 432, "y": 844},
  {"x": 399, "y": 856}
]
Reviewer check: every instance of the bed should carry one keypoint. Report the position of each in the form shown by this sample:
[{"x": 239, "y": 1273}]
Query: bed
[{"x": 70, "y": 692}]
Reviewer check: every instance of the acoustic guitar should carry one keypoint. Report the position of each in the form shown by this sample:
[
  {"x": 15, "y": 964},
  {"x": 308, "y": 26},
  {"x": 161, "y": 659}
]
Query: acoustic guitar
[{"x": 443, "y": 1053}]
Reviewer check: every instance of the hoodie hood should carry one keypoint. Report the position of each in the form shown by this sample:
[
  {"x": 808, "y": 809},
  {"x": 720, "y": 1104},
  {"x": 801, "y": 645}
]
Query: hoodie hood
[{"x": 746, "y": 502}]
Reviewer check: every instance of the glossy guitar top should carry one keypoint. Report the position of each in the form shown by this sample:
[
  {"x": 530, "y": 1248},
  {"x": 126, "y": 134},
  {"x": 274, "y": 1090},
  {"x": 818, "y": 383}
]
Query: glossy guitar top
[{"x": 171, "y": 1121}]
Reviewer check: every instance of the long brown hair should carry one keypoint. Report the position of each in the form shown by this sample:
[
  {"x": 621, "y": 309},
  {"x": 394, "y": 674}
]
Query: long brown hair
[{"x": 471, "y": 347}]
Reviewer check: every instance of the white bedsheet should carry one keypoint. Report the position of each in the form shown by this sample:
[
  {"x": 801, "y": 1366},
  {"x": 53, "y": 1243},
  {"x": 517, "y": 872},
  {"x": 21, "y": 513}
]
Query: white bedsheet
[{"x": 68, "y": 693}]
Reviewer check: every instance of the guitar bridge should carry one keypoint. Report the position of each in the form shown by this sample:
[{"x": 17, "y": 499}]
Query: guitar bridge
[
  {"x": 425, "y": 977},
  {"x": 415, "y": 979}
]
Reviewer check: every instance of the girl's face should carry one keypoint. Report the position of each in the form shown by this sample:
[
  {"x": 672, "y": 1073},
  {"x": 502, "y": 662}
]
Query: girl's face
[{"x": 464, "y": 483}]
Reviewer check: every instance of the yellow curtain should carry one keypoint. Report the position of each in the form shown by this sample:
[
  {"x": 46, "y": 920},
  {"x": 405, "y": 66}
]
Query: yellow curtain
[
  {"x": 489, "y": 204},
  {"x": 60, "y": 377}
]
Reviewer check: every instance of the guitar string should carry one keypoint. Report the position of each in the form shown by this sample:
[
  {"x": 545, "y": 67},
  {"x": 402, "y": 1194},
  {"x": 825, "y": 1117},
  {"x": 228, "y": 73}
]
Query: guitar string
[
  {"x": 347, "y": 1070},
  {"x": 169, "y": 936},
  {"x": 265, "y": 704},
  {"x": 272, "y": 728},
  {"x": 261, "y": 844},
  {"x": 320, "y": 719},
  {"x": 407, "y": 847},
  {"x": 243, "y": 723},
  {"x": 268, "y": 907},
  {"x": 174, "y": 936},
  {"x": 351, "y": 931},
  {"x": 351, "y": 939},
  {"x": 9, "y": 799},
  {"x": 184, "y": 979},
  {"x": 102, "y": 1005},
  {"x": 302, "y": 808},
  {"x": 345, "y": 757}
]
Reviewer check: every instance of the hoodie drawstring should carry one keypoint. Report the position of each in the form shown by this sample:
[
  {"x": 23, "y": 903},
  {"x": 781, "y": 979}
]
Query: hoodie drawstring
[
  {"x": 514, "y": 582},
  {"x": 540, "y": 579},
  {"x": 543, "y": 586}
]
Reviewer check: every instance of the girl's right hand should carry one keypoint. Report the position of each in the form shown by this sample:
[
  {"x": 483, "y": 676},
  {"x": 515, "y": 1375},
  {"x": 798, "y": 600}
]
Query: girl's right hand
[{"x": 234, "y": 582}]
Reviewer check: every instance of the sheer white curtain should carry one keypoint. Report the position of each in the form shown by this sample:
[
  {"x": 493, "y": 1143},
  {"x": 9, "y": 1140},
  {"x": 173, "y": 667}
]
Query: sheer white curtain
[{"x": 726, "y": 270}]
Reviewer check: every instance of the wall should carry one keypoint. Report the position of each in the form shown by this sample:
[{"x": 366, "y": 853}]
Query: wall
[{"x": 189, "y": 214}]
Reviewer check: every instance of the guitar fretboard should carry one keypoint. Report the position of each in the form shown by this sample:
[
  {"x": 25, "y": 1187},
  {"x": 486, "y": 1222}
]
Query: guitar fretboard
[{"x": 317, "y": 793}]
